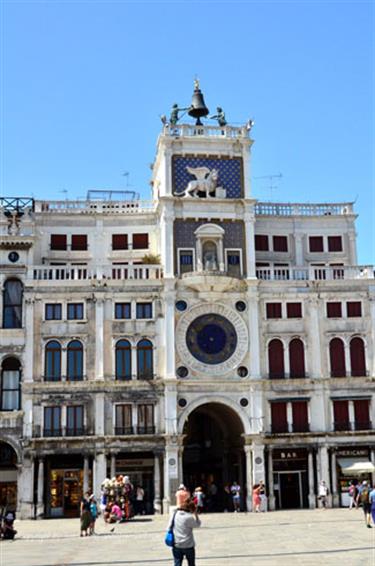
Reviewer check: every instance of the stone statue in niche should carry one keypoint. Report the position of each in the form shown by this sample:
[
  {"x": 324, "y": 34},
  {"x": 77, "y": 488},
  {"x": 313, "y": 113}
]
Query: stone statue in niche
[
  {"x": 205, "y": 183},
  {"x": 210, "y": 257}
]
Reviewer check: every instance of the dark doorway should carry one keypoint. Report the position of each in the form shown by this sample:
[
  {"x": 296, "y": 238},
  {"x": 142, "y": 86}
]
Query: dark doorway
[
  {"x": 290, "y": 490},
  {"x": 213, "y": 454}
]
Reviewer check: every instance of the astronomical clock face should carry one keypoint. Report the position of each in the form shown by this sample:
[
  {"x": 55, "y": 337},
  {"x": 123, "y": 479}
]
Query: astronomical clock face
[{"x": 212, "y": 339}]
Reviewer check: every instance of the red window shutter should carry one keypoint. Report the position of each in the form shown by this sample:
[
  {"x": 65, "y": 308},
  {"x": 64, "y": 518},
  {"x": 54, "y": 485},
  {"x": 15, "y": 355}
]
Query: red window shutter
[
  {"x": 337, "y": 358},
  {"x": 294, "y": 310},
  {"x": 273, "y": 310},
  {"x": 261, "y": 243},
  {"x": 357, "y": 357},
  {"x": 354, "y": 308},
  {"x": 300, "y": 416},
  {"x": 341, "y": 414},
  {"x": 334, "y": 310},
  {"x": 280, "y": 243},
  {"x": 140, "y": 241},
  {"x": 79, "y": 242},
  {"x": 58, "y": 241},
  {"x": 279, "y": 416},
  {"x": 361, "y": 414},
  {"x": 297, "y": 358},
  {"x": 119, "y": 241},
  {"x": 316, "y": 243},
  {"x": 276, "y": 359},
  {"x": 334, "y": 244}
]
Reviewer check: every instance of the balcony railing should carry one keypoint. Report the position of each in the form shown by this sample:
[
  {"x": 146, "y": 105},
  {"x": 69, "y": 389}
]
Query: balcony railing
[
  {"x": 95, "y": 207},
  {"x": 64, "y": 378},
  {"x": 354, "y": 373},
  {"x": 314, "y": 273},
  {"x": 62, "y": 432},
  {"x": 303, "y": 209},
  {"x": 188, "y": 130},
  {"x": 124, "y": 430},
  {"x": 68, "y": 273},
  {"x": 150, "y": 429},
  {"x": 351, "y": 426},
  {"x": 289, "y": 428}
]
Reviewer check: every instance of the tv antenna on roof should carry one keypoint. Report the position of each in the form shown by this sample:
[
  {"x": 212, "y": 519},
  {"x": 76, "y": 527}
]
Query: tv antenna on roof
[{"x": 273, "y": 185}]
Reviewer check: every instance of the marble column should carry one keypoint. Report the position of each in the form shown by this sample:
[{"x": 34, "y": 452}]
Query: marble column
[
  {"x": 113, "y": 465},
  {"x": 40, "y": 494},
  {"x": 25, "y": 488},
  {"x": 249, "y": 218},
  {"x": 271, "y": 493},
  {"x": 29, "y": 340},
  {"x": 99, "y": 414},
  {"x": 258, "y": 463},
  {"x": 310, "y": 464},
  {"x": 335, "y": 494},
  {"x": 85, "y": 474},
  {"x": 99, "y": 339},
  {"x": 254, "y": 340},
  {"x": 170, "y": 473},
  {"x": 100, "y": 473},
  {"x": 157, "y": 486},
  {"x": 323, "y": 466},
  {"x": 249, "y": 476},
  {"x": 314, "y": 362}
]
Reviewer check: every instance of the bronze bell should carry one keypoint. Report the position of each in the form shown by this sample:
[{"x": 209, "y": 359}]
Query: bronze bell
[{"x": 198, "y": 108}]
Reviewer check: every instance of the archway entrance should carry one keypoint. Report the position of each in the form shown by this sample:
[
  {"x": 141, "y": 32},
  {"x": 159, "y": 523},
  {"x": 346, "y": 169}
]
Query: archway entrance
[
  {"x": 8, "y": 478},
  {"x": 213, "y": 454}
]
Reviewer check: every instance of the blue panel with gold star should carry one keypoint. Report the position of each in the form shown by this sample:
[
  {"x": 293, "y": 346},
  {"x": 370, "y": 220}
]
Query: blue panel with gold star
[{"x": 229, "y": 169}]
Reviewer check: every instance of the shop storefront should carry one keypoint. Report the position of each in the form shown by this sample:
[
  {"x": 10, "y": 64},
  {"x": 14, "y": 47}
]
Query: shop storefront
[
  {"x": 8, "y": 478},
  {"x": 290, "y": 478},
  {"x": 353, "y": 466},
  {"x": 64, "y": 486},
  {"x": 140, "y": 469}
]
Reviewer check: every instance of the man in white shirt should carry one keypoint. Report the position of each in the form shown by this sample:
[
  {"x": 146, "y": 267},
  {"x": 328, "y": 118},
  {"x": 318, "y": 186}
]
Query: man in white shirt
[{"x": 185, "y": 520}]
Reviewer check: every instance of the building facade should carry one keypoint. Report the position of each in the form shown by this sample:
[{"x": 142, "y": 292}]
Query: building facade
[{"x": 201, "y": 336}]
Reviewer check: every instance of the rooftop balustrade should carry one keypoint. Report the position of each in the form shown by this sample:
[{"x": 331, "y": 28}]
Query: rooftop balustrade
[
  {"x": 189, "y": 130},
  {"x": 94, "y": 207},
  {"x": 313, "y": 273},
  {"x": 303, "y": 209}
]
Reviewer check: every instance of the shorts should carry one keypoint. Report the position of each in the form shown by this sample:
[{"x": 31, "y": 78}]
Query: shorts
[{"x": 366, "y": 508}]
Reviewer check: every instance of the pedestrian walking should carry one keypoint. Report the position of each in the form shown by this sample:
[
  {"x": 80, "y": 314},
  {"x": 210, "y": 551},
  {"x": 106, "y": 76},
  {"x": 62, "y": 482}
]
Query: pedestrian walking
[
  {"x": 256, "y": 498},
  {"x": 372, "y": 503},
  {"x": 93, "y": 513},
  {"x": 363, "y": 499},
  {"x": 323, "y": 493},
  {"x": 263, "y": 496},
  {"x": 185, "y": 520},
  {"x": 85, "y": 515},
  {"x": 199, "y": 499},
  {"x": 139, "y": 500},
  {"x": 236, "y": 496},
  {"x": 353, "y": 492}
]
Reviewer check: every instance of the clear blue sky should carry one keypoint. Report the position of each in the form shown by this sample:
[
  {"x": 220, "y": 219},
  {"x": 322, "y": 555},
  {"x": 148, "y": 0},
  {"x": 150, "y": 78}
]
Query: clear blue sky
[{"x": 84, "y": 83}]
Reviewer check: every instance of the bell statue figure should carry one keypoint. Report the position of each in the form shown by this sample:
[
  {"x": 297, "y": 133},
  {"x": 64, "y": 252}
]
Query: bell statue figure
[
  {"x": 174, "y": 117},
  {"x": 220, "y": 117}
]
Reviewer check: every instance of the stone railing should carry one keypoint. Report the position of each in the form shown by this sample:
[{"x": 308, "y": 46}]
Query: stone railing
[
  {"x": 300, "y": 209},
  {"x": 188, "y": 130},
  {"x": 313, "y": 273},
  {"x": 78, "y": 273},
  {"x": 95, "y": 207}
]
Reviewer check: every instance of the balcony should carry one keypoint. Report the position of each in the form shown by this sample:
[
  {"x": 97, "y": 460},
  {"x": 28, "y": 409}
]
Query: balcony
[
  {"x": 303, "y": 209},
  {"x": 94, "y": 207},
  {"x": 61, "y": 432},
  {"x": 313, "y": 273},
  {"x": 286, "y": 428},
  {"x": 59, "y": 379},
  {"x": 188, "y": 131},
  {"x": 124, "y": 430},
  {"x": 352, "y": 426},
  {"x": 82, "y": 273},
  {"x": 149, "y": 429}
]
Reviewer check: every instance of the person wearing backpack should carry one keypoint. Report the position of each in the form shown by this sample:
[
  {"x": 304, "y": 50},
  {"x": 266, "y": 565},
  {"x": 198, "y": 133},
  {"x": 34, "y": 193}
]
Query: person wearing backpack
[
  {"x": 363, "y": 499},
  {"x": 372, "y": 503}
]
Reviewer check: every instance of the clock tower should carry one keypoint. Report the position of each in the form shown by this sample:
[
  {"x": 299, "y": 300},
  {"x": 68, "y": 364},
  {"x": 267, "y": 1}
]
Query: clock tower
[{"x": 201, "y": 181}]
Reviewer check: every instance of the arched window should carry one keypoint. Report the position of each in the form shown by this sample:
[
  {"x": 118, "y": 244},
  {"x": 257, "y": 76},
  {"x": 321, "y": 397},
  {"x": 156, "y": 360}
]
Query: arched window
[
  {"x": 145, "y": 365},
  {"x": 357, "y": 357},
  {"x": 123, "y": 360},
  {"x": 74, "y": 366},
  {"x": 297, "y": 358},
  {"x": 276, "y": 359},
  {"x": 12, "y": 304},
  {"x": 53, "y": 361},
  {"x": 10, "y": 385},
  {"x": 337, "y": 358}
]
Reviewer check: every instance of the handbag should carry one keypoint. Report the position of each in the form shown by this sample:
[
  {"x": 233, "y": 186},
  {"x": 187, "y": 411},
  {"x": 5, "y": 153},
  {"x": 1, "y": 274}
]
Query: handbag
[{"x": 169, "y": 537}]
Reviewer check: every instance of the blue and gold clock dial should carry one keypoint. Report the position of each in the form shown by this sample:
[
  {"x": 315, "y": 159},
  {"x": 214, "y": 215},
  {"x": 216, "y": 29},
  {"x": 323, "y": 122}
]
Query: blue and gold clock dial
[{"x": 211, "y": 339}]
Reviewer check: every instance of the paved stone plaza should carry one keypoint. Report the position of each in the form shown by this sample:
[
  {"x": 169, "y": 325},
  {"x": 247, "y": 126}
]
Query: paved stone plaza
[{"x": 306, "y": 537}]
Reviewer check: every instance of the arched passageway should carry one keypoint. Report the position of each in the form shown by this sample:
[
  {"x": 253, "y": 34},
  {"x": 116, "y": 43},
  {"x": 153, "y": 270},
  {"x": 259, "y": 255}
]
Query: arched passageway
[
  {"x": 8, "y": 477},
  {"x": 213, "y": 454}
]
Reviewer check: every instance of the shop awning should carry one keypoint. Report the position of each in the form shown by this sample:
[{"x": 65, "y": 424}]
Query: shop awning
[{"x": 353, "y": 466}]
